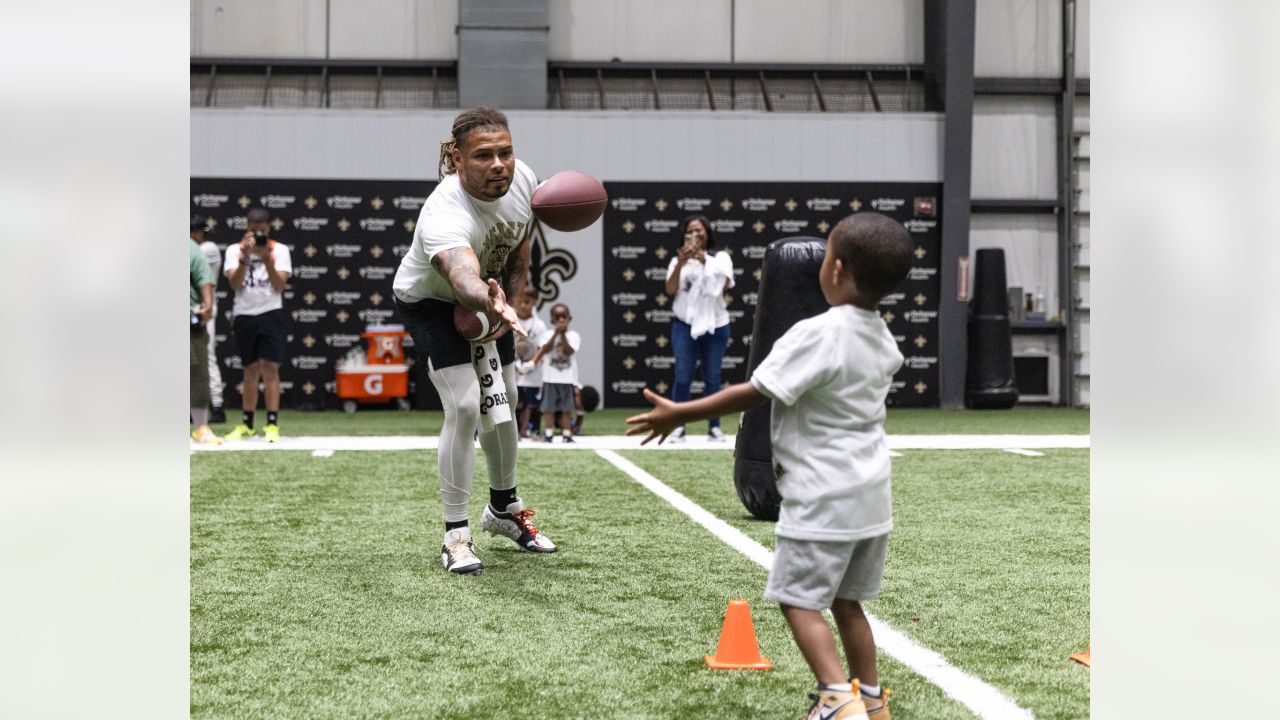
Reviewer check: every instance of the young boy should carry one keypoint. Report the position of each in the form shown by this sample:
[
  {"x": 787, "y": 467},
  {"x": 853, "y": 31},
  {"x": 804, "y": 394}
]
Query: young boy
[
  {"x": 528, "y": 373},
  {"x": 828, "y": 377},
  {"x": 556, "y": 351}
]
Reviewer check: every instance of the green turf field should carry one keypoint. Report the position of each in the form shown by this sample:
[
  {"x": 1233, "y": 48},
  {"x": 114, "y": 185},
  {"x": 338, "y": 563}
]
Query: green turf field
[
  {"x": 317, "y": 592},
  {"x": 612, "y": 421}
]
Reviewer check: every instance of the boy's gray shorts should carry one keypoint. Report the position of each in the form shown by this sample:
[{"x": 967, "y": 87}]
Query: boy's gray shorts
[
  {"x": 556, "y": 397},
  {"x": 810, "y": 574}
]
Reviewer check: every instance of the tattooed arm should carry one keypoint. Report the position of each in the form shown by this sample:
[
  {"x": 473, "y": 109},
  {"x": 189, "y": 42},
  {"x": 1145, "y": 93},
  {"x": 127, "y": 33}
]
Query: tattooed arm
[
  {"x": 461, "y": 268},
  {"x": 516, "y": 273}
]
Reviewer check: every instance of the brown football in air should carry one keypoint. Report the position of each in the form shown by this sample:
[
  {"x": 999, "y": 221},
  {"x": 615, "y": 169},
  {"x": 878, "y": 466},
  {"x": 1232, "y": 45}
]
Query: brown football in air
[
  {"x": 569, "y": 201},
  {"x": 470, "y": 324}
]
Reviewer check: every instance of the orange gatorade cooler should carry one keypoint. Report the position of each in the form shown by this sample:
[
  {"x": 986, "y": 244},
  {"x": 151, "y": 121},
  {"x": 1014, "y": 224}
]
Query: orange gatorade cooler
[
  {"x": 381, "y": 376},
  {"x": 385, "y": 344}
]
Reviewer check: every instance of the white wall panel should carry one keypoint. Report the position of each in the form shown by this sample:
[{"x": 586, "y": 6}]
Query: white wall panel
[
  {"x": 1014, "y": 147},
  {"x": 830, "y": 31},
  {"x": 1030, "y": 244},
  {"x": 394, "y": 29},
  {"x": 1018, "y": 38},
  {"x": 624, "y": 146},
  {"x": 655, "y": 30},
  {"x": 1082, "y": 38},
  {"x": 257, "y": 28}
]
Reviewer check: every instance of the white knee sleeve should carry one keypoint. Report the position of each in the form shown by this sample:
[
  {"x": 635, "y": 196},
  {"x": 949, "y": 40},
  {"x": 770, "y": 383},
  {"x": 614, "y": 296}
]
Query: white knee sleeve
[
  {"x": 460, "y": 394},
  {"x": 501, "y": 443}
]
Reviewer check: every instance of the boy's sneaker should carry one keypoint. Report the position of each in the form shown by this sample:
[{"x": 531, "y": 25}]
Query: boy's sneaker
[
  {"x": 205, "y": 436},
  {"x": 715, "y": 434},
  {"x": 217, "y": 416},
  {"x": 242, "y": 432},
  {"x": 567, "y": 439},
  {"x": 271, "y": 432},
  {"x": 549, "y": 439},
  {"x": 515, "y": 524},
  {"x": 837, "y": 705},
  {"x": 458, "y": 554},
  {"x": 880, "y": 711},
  {"x": 676, "y": 436}
]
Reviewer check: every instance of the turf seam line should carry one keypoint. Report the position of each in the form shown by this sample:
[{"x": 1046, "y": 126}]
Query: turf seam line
[{"x": 980, "y": 698}]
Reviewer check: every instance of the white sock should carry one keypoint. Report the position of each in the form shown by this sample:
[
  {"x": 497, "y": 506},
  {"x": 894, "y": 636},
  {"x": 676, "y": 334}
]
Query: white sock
[
  {"x": 871, "y": 691},
  {"x": 837, "y": 687}
]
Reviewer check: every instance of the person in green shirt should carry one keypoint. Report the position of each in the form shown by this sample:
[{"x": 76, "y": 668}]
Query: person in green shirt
[{"x": 200, "y": 304}]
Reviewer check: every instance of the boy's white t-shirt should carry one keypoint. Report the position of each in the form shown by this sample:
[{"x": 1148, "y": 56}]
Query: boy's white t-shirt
[
  {"x": 828, "y": 377},
  {"x": 452, "y": 218},
  {"x": 257, "y": 296},
  {"x": 527, "y": 373},
  {"x": 555, "y": 367}
]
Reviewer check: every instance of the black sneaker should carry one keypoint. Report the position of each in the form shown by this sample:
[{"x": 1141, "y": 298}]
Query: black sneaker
[
  {"x": 217, "y": 416},
  {"x": 515, "y": 524},
  {"x": 567, "y": 439},
  {"x": 548, "y": 439}
]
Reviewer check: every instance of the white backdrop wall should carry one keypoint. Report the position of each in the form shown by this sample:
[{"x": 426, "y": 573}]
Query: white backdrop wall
[
  {"x": 817, "y": 31},
  {"x": 1023, "y": 38},
  {"x": 653, "y": 146},
  {"x": 384, "y": 29},
  {"x": 1015, "y": 150}
]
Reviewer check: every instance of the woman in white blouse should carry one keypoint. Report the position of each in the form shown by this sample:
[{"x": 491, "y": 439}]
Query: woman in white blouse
[{"x": 697, "y": 279}]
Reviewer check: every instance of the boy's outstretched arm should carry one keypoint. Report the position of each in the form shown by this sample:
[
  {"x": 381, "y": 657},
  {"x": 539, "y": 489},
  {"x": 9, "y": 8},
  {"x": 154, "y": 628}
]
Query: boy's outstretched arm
[{"x": 666, "y": 415}]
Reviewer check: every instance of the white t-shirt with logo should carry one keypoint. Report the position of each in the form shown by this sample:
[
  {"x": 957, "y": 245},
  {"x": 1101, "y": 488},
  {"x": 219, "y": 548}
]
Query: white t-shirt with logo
[
  {"x": 257, "y": 296},
  {"x": 528, "y": 374},
  {"x": 452, "y": 218},
  {"x": 557, "y": 368},
  {"x": 828, "y": 377}
]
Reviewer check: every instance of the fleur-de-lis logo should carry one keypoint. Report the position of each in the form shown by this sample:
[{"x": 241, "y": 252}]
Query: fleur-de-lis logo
[{"x": 546, "y": 262}]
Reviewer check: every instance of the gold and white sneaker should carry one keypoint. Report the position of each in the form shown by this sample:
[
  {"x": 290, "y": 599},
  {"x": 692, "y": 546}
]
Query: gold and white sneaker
[{"x": 205, "y": 436}]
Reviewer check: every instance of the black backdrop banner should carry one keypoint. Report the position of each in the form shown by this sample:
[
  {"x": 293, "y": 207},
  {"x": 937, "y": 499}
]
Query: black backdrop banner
[
  {"x": 346, "y": 238},
  {"x": 641, "y": 225}
]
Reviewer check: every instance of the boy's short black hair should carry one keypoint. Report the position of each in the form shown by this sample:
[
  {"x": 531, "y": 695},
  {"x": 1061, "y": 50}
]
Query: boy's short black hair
[
  {"x": 875, "y": 249},
  {"x": 258, "y": 215}
]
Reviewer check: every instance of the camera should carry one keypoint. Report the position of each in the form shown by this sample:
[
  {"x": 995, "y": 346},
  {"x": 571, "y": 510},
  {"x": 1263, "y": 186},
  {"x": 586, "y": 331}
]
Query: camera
[{"x": 259, "y": 238}]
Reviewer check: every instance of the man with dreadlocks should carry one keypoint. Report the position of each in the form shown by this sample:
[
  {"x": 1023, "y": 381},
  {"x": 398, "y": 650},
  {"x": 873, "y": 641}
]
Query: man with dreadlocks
[{"x": 470, "y": 247}]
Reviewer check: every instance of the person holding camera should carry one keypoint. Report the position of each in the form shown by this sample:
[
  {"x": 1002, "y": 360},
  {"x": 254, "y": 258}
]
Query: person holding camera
[
  {"x": 697, "y": 279},
  {"x": 258, "y": 269}
]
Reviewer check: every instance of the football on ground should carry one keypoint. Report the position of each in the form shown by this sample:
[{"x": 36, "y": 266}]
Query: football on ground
[
  {"x": 569, "y": 201},
  {"x": 471, "y": 324}
]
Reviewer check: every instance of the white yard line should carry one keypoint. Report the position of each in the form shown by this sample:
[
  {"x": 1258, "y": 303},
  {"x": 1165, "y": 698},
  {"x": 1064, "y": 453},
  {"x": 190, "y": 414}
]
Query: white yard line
[
  {"x": 622, "y": 442},
  {"x": 982, "y": 699},
  {"x": 1023, "y": 452}
]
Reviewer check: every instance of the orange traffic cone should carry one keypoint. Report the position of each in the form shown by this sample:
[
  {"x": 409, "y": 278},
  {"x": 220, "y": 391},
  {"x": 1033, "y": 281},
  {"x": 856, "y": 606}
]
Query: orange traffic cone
[{"x": 738, "y": 649}]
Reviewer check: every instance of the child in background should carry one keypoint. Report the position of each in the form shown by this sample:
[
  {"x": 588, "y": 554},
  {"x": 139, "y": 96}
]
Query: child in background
[
  {"x": 557, "y": 348},
  {"x": 828, "y": 377},
  {"x": 528, "y": 372}
]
